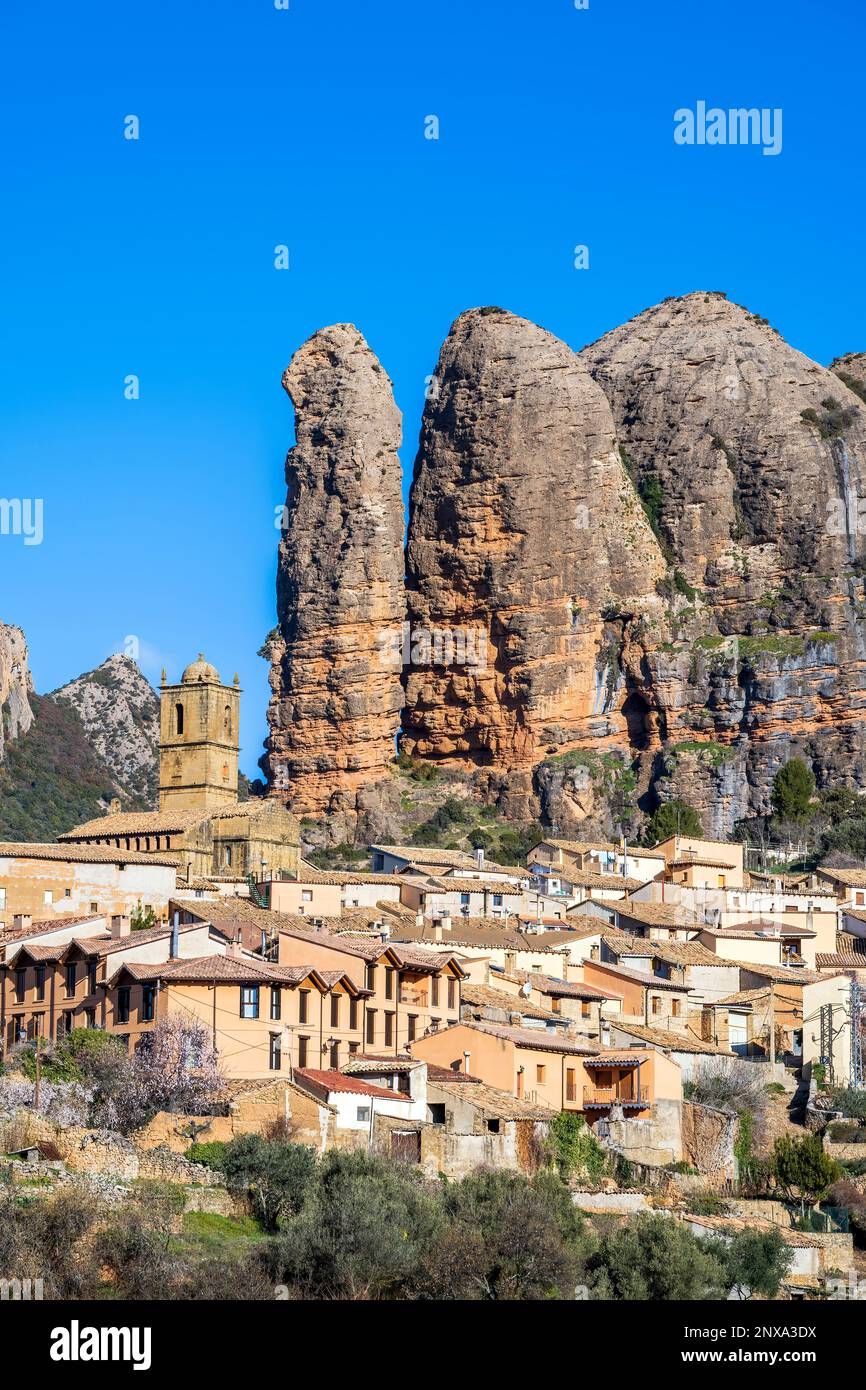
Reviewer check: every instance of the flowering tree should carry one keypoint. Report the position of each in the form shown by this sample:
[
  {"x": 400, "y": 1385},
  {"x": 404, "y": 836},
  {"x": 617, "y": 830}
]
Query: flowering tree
[{"x": 174, "y": 1068}]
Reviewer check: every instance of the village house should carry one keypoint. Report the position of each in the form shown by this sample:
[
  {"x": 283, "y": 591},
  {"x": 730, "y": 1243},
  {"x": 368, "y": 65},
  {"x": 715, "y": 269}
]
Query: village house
[
  {"x": 261, "y": 1017},
  {"x": 412, "y": 990},
  {"x": 707, "y": 975},
  {"x": 556, "y": 862},
  {"x": 694, "y": 862},
  {"x": 453, "y": 896},
  {"x": 576, "y": 1002},
  {"x": 645, "y": 997},
  {"x": 485, "y": 1003},
  {"x": 397, "y": 859},
  {"x": 688, "y": 1049},
  {"x": 39, "y": 881},
  {"x": 48, "y": 987}
]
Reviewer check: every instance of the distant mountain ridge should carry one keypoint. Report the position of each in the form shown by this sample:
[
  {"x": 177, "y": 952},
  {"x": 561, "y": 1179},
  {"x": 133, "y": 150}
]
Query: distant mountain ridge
[{"x": 119, "y": 713}]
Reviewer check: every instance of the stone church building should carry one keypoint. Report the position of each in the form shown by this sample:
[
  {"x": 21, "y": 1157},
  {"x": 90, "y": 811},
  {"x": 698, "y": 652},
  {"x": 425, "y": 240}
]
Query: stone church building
[{"x": 200, "y": 819}]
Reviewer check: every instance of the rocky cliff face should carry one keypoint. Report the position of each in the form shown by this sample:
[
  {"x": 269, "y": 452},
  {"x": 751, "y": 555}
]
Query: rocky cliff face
[
  {"x": 751, "y": 459},
  {"x": 852, "y": 370},
  {"x": 15, "y": 686},
  {"x": 119, "y": 712},
  {"x": 336, "y": 654},
  {"x": 647, "y": 558},
  {"x": 528, "y": 544}
]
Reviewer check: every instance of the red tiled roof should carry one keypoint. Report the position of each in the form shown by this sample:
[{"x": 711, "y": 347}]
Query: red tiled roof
[{"x": 327, "y": 1082}]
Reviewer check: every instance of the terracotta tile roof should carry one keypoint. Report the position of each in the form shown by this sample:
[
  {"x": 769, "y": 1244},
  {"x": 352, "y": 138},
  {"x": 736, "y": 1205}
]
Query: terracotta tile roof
[
  {"x": 742, "y": 996},
  {"x": 361, "y": 1062},
  {"x": 849, "y": 878},
  {"x": 470, "y": 885},
  {"x": 452, "y": 858},
  {"x": 679, "y": 953},
  {"x": 473, "y": 931},
  {"x": 536, "y": 1038},
  {"x": 761, "y": 929},
  {"x": 659, "y": 915},
  {"x": 557, "y": 989},
  {"x": 489, "y": 1100},
  {"x": 643, "y": 977},
  {"x": 325, "y": 1083},
  {"x": 780, "y": 974},
  {"x": 842, "y": 960},
  {"x": 615, "y": 1058},
  {"x": 308, "y": 873},
  {"x": 587, "y": 846},
  {"x": 483, "y": 996},
  {"x": 84, "y": 854},
  {"x": 583, "y": 878},
  {"x": 13, "y": 935},
  {"x": 669, "y": 1039},
  {"x": 218, "y": 970},
  {"x": 106, "y": 945},
  {"x": 36, "y": 952},
  {"x": 137, "y": 823}
]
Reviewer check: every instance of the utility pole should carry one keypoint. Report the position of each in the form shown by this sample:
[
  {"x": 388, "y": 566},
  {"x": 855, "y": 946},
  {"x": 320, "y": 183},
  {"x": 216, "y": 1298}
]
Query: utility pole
[{"x": 772, "y": 1026}]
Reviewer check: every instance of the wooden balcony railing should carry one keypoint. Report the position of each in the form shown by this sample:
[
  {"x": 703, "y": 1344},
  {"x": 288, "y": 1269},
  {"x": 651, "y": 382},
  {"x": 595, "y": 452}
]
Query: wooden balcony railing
[{"x": 609, "y": 1095}]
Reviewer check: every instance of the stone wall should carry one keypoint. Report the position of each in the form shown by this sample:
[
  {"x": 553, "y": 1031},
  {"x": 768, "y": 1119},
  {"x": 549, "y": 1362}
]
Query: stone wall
[{"x": 708, "y": 1140}]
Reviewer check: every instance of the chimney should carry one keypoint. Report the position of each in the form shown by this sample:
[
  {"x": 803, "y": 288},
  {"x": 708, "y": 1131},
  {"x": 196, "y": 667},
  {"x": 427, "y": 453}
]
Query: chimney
[
  {"x": 445, "y": 921},
  {"x": 467, "y": 1057},
  {"x": 437, "y": 931},
  {"x": 479, "y": 858},
  {"x": 419, "y": 919},
  {"x": 235, "y": 951},
  {"x": 593, "y": 951},
  {"x": 22, "y": 921},
  {"x": 114, "y": 806},
  {"x": 175, "y": 933},
  {"x": 120, "y": 926}
]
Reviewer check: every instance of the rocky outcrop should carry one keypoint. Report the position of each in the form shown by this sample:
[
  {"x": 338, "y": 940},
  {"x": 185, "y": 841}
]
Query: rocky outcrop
[
  {"x": 751, "y": 459},
  {"x": 633, "y": 573},
  {"x": 16, "y": 715},
  {"x": 119, "y": 712},
  {"x": 528, "y": 552},
  {"x": 851, "y": 368},
  {"x": 335, "y": 656}
]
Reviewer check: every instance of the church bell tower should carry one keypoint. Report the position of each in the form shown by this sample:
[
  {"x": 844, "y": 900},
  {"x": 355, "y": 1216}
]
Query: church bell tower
[{"x": 198, "y": 740}]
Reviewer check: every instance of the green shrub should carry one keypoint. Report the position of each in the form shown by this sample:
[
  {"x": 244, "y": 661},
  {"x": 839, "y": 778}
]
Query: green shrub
[
  {"x": 211, "y": 1154},
  {"x": 574, "y": 1147}
]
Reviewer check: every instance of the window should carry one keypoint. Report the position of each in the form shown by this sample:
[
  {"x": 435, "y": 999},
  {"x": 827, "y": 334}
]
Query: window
[
  {"x": 675, "y": 1008},
  {"x": 68, "y": 1021},
  {"x": 570, "y": 1084},
  {"x": 362, "y": 1114},
  {"x": 249, "y": 1001},
  {"x": 48, "y": 897},
  {"x": 276, "y": 1001},
  {"x": 40, "y": 982},
  {"x": 371, "y": 977},
  {"x": 148, "y": 1003},
  {"x": 227, "y": 721},
  {"x": 493, "y": 1126},
  {"x": 335, "y": 1010},
  {"x": 94, "y": 908},
  {"x": 70, "y": 978},
  {"x": 20, "y": 984},
  {"x": 436, "y": 1114},
  {"x": 371, "y": 1025},
  {"x": 303, "y": 1049},
  {"x": 306, "y": 895},
  {"x": 585, "y": 1009},
  {"x": 656, "y": 1004},
  {"x": 389, "y": 1030},
  {"x": 178, "y": 719},
  {"x": 353, "y": 1013},
  {"x": 389, "y": 982},
  {"x": 451, "y": 994},
  {"x": 91, "y": 977},
  {"x": 353, "y": 1048},
  {"x": 275, "y": 1059},
  {"x": 90, "y": 1018},
  {"x": 497, "y": 899},
  {"x": 541, "y": 1074},
  {"x": 411, "y": 1027},
  {"x": 434, "y": 991},
  {"x": 67, "y": 892},
  {"x": 464, "y": 899},
  {"x": 334, "y": 1056},
  {"x": 122, "y": 1005},
  {"x": 434, "y": 1025}
]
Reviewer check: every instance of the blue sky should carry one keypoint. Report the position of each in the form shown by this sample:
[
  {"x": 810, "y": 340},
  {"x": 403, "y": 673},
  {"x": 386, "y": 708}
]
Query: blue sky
[{"x": 305, "y": 127}]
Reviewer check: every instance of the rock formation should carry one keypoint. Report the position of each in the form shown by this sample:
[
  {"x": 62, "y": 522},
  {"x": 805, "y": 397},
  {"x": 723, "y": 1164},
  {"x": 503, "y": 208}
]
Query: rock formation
[
  {"x": 752, "y": 460},
  {"x": 335, "y": 656},
  {"x": 647, "y": 557},
  {"x": 16, "y": 715},
  {"x": 119, "y": 712},
  {"x": 852, "y": 370},
  {"x": 528, "y": 545}
]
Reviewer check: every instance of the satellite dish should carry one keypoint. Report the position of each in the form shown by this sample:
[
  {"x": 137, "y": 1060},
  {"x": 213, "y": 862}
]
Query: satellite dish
[{"x": 526, "y": 989}]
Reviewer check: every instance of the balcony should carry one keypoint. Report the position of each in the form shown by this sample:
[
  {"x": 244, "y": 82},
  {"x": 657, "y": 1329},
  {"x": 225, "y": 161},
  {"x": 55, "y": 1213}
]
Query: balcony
[{"x": 601, "y": 1096}]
